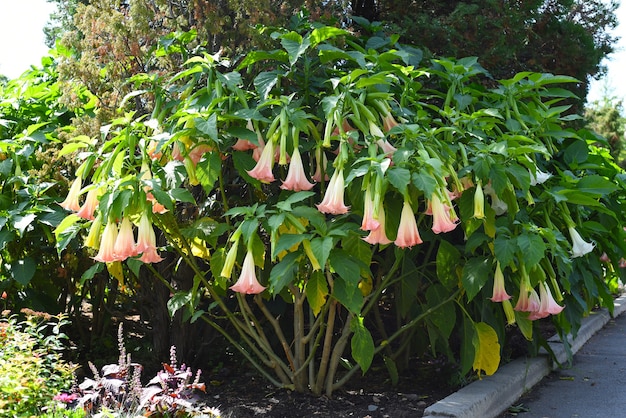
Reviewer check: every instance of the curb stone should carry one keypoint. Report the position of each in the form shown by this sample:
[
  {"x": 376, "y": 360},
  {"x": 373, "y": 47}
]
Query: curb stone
[{"x": 491, "y": 396}]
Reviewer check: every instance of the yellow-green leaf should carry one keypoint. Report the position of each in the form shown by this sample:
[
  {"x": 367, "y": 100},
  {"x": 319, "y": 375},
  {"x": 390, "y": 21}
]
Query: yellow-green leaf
[
  {"x": 487, "y": 349},
  {"x": 316, "y": 291}
]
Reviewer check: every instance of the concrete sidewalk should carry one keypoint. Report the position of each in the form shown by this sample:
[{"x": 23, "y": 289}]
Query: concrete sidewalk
[{"x": 591, "y": 388}]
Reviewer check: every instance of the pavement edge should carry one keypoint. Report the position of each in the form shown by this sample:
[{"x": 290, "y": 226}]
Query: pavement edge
[{"x": 489, "y": 397}]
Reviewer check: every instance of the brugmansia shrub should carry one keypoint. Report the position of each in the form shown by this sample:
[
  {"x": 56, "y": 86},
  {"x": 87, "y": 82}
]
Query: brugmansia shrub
[{"x": 338, "y": 199}]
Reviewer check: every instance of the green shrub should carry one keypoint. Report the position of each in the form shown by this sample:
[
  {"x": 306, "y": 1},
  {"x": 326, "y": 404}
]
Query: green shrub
[{"x": 33, "y": 370}]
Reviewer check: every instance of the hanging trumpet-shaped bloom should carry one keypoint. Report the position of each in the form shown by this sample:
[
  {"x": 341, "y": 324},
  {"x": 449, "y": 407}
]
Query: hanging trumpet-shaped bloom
[
  {"x": 106, "y": 254},
  {"x": 378, "y": 235},
  {"x": 71, "y": 201},
  {"x": 547, "y": 304},
  {"x": 528, "y": 300},
  {"x": 368, "y": 223},
  {"x": 333, "y": 199},
  {"x": 539, "y": 177},
  {"x": 247, "y": 282},
  {"x": 93, "y": 238},
  {"x": 479, "y": 203},
  {"x": 229, "y": 263},
  {"x": 89, "y": 207},
  {"x": 389, "y": 122},
  {"x": 499, "y": 291},
  {"x": 125, "y": 245},
  {"x": 320, "y": 166},
  {"x": 579, "y": 246},
  {"x": 262, "y": 171},
  {"x": 146, "y": 241},
  {"x": 408, "y": 234},
  {"x": 442, "y": 221},
  {"x": 296, "y": 178}
]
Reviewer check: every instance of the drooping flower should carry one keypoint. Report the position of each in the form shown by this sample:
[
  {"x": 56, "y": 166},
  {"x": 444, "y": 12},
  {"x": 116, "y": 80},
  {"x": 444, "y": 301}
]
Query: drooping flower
[
  {"x": 229, "y": 262},
  {"x": 479, "y": 203},
  {"x": 247, "y": 282},
  {"x": 262, "y": 171},
  {"x": 368, "y": 223},
  {"x": 146, "y": 240},
  {"x": 89, "y": 207},
  {"x": 320, "y": 166},
  {"x": 71, "y": 201},
  {"x": 296, "y": 178},
  {"x": 196, "y": 153},
  {"x": 508, "y": 312},
  {"x": 442, "y": 221},
  {"x": 333, "y": 199},
  {"x": 579, "y": 246},
  {"x": 499, "y": 291},
  {"x": 498, "y": 206},
  {"x": 539, "y": 177},
  {"x": 106, "y": 254},
  {"x": 125, "y": 245},
  {"x": 93, "y": 237},
  {"x": 408, "y": 234},
  {"x": 528, "y": 300},
  {"x": 547, "y": 304},
  {"x": 389, "y": 122},
  {"x": 386, "y": 147},
  {"x": 378, "y": 235}
]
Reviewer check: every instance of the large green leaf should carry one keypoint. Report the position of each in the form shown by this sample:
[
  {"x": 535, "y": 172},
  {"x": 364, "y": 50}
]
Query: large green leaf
[
  {"x": 399, "y": 178},
  {"x": 23, "y": 270},
  {"x": 476, "y": 273},
  {"x": 532, "y": 247},
  {"x": 362, "y": 344},
  {"x": 346, "y": 267},
  {"x": 177, "y": 301},
  {"x": 487, "y": 349},
  {"x": 295, "y": 45},
  {"x": 208, "y": 170},
  {"x": 444, "y": 317},
  {"x": 283, "y": 273},
  {"x": 448, "y": 260},
  {"x": 348, "y": 294},
  {"x": 595, "y": 185}
]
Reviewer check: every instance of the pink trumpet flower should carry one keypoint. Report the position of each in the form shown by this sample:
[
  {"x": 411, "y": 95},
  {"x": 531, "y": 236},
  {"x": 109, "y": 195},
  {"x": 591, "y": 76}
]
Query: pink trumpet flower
[
  {"x": 262, "y": 171},
  {"x": 106, "y": 254},
  {"x": 71, "y": 201},
  {"x": 296, "y": 178},
  {"x": 125, "y": 245},
  {"x": 442, "y": 221},
  {"x": 378, "y": 235},
  {"x": 247, "y": 282},
  {"x": 547, "y": 304},
  {"x": 320, "y": 166},
  {"x": 89, "y": 207},
  {"x": 369, "y": 223},
  {"x": 408, "y": 234},
  {"x": 333, "y": 199},
  {"x": 499, "y": 291},
  {"x": 528, "y": 298},
  {"x": 389, "y": 122},
  {"x": 146, "y": 241}
]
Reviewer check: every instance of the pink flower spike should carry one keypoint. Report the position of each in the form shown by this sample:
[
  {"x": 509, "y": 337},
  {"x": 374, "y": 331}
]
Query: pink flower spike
[
  {"x": 125, "y": 245},
  {"x": 262, "y": 171},
  {"x": 247, "y": 282},
  {"x": 106, "y": 254},
  {"x": 296, "y": 179},
  {"x": 146, "y": 241},
  {"x": 368, "y": 223},
  {"x": 333, "y": 199},
  {"x": 89, "y": 207},
  {"x": 408, "y": 234},
  {"x": 499, "y": 291},
  {"x": 442, "y": 221},
  {"x": 71, "y": 201},
  {"x": 378, "y": 235}
]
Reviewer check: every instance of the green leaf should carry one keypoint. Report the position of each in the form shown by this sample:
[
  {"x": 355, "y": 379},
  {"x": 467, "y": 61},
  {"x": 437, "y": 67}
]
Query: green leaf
[
  {"x": 424, "y": 182},
  {"x": 208, "y": 171},
  {"x": 533, "y": 247},
  {"x": 316, "y": 291},
  {"x": 467, "y": 346},
  {"x": 23, "y": 270},
  {"x": 283, "y": 273},
  {"x": 392, "y": 369},
  {"x": 286, "y": 241},
  {"x": 325, "y": 32},
  {"x": 362, "y": 344},
  {"x": 208, "y": 126},
  {"x": 91, "y": 272},
  {"x": 321, "y": 247},
  {"x": 66, "y": 231},
  {"x": 487, "y": 349},
  {"x": 525, "y": 325},
  {"x": 348, "y": 294},
  {"x": 577, "y": 152},
  {"x": 177, "y": 301},
  {"x": 476, "y": 273},
  {"x": 22, "y": 222},
  {"x": 448, "y": 259},
  {"x": 444, "y": 317},
  {"x": 399, "y": 178},
  {"x": 595, "y": 185},
  {"x": 265, "y": 82},
  {"x": 346, "y": 267},
  {"x": 295, "y": 45},
  {"x": 181, "y": 195}
]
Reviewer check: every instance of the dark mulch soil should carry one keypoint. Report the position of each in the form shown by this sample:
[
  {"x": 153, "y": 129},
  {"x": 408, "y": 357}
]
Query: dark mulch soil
[
  {"x": 238, "y": 392},
  {"x": 246, "y": 395}
]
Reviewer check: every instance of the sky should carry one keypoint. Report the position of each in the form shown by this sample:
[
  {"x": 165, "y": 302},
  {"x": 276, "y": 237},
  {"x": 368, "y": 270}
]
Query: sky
[{"x": 22, "y": 45}]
